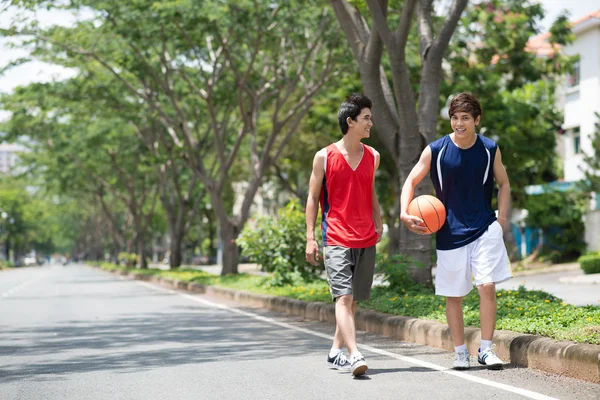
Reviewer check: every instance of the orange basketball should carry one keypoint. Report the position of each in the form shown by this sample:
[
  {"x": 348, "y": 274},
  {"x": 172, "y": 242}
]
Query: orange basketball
[{"x": 430, "y": 209}]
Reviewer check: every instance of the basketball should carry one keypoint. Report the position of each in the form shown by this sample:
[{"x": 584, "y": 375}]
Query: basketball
[{"x": 430, "y": 209}]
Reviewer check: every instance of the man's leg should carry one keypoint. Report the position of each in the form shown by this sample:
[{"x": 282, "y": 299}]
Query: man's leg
[
  {"x": 487, "y": 310},
  {"x": 453, "y": 280},
  {"x": 454, "y": 315},
  {"x": 362, "y": 280},
  {"x": 487, "y": 317},
  {"x": 339, "y": 264},
  {"x": 345, "y": 331},
  {"x": 338, "y": 340},
  {"x": 490, "y": 266}
]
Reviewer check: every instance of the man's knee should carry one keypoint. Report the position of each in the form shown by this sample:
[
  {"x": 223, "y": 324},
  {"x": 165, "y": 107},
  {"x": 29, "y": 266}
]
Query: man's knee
[
  {"x": 487, "y": 290},
  {"x": 454, "y": 301},
  {"x": 346, "y": 300}
]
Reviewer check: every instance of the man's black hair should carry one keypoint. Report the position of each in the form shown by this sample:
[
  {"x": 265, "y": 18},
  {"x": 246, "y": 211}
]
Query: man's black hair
[{"x": 352, "y": 107}]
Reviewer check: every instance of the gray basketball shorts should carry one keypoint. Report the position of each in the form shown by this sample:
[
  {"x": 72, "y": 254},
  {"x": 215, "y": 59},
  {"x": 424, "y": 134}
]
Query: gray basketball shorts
[{"x": 350, "y": 271}]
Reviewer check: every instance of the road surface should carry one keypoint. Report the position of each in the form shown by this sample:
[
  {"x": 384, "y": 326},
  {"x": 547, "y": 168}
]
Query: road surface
[{"x": 75, "y": 332}]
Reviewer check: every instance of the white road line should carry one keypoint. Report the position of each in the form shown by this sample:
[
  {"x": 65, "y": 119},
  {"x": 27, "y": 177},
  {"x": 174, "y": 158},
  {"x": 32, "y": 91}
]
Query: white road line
[
  {"x": 410, "y": 360},
  {"x": 21, "y": 286}
]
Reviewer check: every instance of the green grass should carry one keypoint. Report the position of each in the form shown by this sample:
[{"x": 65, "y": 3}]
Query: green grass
[
  {"x": 525, "y": 311},
  {"x": 6, "y": 265}
]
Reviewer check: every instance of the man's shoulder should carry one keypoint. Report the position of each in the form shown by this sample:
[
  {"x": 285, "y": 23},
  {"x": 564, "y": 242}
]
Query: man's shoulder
[
  {"x": 371, "y": 150},
  {"x": 322, "y": 153},
  {"x": 439, "y": 143},
  {"x": 487, "y": 142}
]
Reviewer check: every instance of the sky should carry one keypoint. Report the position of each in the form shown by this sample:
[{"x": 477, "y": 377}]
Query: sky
[{"x": 37, "y": 71}]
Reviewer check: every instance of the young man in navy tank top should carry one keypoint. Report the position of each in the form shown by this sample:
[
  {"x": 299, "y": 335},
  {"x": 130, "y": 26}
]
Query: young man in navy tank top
[
  {"x": 469, "y": 246},
  {"x": 342, "y": 180}
]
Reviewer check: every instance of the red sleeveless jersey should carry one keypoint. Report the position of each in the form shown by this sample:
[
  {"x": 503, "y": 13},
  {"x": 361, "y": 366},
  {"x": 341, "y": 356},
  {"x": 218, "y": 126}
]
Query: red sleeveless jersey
[{"x": 347, "y": 200}]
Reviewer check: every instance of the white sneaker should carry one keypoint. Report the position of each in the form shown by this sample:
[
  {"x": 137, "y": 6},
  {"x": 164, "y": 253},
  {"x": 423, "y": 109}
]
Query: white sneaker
[
  {"x": 489, "y": 358},
  {"x": 339, "y": 362},
  {"x": 358, "y": 365},
  {"x": 462, "y": 360}
]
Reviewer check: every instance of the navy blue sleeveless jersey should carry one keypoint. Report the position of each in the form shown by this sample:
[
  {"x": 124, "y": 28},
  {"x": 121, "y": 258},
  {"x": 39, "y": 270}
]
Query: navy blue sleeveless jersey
[{"x": 464, "y": 182}]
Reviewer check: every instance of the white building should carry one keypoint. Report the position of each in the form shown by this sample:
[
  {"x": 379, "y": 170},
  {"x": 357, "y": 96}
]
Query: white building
[
  {"x": 9, "y": 156},
  {"x": 579, "y": 100}
]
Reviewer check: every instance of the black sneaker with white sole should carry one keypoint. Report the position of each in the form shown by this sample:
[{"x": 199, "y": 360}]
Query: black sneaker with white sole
[
  {"x": 339, "y": 361},
  {"x": 358, "y": 366}
]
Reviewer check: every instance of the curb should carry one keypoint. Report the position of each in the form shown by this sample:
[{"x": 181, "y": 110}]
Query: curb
[{"x": 575, "y": 360}]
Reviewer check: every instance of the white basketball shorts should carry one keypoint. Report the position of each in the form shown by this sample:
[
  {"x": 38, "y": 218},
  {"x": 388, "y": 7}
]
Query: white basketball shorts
[{"x": 485, "y": 260}]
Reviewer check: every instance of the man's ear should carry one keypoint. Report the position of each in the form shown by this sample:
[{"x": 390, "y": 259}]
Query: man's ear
[
  {"x": 477, "y": 120},
  {"x": 349, "y": 121}
]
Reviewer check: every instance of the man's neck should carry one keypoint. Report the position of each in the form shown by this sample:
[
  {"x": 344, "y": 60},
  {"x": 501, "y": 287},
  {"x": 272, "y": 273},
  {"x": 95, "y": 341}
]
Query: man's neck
[
  {"x": 465, "y": 142},
  {"x": 350, "y": 143}
]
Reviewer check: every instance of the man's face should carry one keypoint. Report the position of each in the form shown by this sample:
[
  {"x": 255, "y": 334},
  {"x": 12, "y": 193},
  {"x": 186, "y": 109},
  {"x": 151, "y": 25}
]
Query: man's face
[
  {"x": 463, "y": 124},
  {"x": 362, "y": 125}
]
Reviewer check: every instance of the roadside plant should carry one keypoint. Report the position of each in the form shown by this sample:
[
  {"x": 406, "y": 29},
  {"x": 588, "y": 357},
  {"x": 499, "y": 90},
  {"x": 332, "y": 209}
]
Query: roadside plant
[
  {"x": 590, "y": 263},
  {"x": 277, "y": 245},
  {"x": 396, "y": 270},
  {"x": 128, "y": 259},
  {"x": 560, "y": 215}
]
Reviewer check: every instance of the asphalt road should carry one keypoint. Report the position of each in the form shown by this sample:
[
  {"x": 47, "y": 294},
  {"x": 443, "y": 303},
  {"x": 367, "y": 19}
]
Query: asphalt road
[{"x": 78, "y": 333}]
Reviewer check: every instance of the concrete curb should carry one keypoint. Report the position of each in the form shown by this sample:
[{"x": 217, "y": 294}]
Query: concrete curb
[{"x": 575, "y": 360}]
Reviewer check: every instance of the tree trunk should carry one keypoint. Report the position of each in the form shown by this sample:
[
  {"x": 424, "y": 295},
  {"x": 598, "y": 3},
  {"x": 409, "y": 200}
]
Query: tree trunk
[
  {"x": 115, "y": 254},
  {"x": 419, "y": 247},
  {"x": 141, "y": 249},
  {"x": 212, "y": 233},
  {"x": 229, "y": 233},
  {"x": 175, "y": 253}
]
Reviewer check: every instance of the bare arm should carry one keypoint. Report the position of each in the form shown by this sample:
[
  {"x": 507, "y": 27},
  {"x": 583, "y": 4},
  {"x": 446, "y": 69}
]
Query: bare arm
[
  {"x": 376, "y": 207},
  {"x": 419, "y": 171},
  {"x": 503, "y": 188},
  {"x": 312, "y": 207}
]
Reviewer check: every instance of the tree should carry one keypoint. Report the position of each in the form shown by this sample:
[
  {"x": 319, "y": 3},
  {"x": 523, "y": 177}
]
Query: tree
[
  {"x": 591, "y": 183},
  {"x": 214, "y": 85},
  {"x": 487, "y": 55},
  {"x": 491, "y": 58},
  {"x": 73, "y": 141},
  {"x": 31, "y": 219},
  {"x": 405, "y": 121}
]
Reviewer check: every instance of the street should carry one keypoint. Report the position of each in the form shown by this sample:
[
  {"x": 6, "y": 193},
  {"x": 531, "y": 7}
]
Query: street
[{"x": 75, "y": 332}]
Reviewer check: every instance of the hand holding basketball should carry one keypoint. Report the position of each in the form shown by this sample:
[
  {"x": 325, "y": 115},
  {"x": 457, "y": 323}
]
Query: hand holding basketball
[{"x": 430, "y": 210}]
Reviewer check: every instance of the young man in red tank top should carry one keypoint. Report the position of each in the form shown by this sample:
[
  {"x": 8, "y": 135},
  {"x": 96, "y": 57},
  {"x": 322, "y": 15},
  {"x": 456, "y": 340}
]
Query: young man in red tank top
[{"x": 342, "y": 180}]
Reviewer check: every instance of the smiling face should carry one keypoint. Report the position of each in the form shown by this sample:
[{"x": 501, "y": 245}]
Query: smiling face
[
  {"x": 463, "y": 124},
  {"x": 362, "y": 125}
]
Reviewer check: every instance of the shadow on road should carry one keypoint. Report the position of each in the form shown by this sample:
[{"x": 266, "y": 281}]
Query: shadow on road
[{"x": 189, "y": 335}]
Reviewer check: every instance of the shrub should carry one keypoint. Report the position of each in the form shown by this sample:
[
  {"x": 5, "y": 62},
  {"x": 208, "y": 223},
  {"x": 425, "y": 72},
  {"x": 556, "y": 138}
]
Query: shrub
[
  {"x": 278, "y": 246},
  {"x": 128, "y": 259},
  {"x": 395, "y": 270},
  {"x": 560, "y": 215},
  {"x": 590, "y": 263}
]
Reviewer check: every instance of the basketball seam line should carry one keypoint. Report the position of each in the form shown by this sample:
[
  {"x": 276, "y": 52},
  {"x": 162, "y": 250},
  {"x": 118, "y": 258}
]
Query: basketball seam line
[
  {"x": 425, "y": 222},
  {"x": 436, "y": 213}
]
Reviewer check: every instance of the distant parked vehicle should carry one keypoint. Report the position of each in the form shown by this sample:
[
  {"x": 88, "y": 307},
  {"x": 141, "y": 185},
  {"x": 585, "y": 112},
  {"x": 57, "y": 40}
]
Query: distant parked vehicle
[{"x": 27, "y": 261}]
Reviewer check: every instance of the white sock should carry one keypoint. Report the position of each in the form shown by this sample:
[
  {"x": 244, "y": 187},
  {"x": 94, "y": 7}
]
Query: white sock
[
  {"x": 334, "y": 352},
  {"x": 460, "y": 349},
  {"x": 357, "y": 355},
  {"x": 485, "y": 344}
]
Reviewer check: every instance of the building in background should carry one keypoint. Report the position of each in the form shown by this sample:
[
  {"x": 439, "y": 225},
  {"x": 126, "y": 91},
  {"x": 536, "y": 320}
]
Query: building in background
[
  {"x": 579, "y": 100},
  {"x": 9, "y": 155}
]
